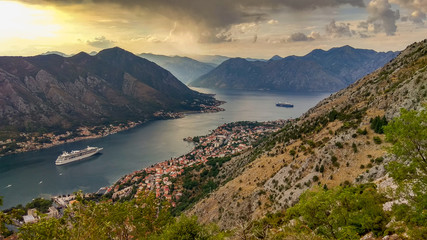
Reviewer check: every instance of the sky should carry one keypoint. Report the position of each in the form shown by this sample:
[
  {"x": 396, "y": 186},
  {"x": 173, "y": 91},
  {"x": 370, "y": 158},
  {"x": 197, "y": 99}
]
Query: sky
[{"x": 234, "y": 28}]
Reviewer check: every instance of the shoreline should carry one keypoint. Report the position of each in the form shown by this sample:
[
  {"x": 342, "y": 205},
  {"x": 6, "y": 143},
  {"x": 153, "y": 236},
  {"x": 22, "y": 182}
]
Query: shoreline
[
  {"x": 49, "y": 140},
  {"x": 222, "y": 142}
]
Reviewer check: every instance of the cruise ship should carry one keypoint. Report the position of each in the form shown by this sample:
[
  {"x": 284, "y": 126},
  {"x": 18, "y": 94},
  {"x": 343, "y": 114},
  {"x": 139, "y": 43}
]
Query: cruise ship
[
  {"x": 76, "y": 155},
  {"x": 284, "y": 104}
]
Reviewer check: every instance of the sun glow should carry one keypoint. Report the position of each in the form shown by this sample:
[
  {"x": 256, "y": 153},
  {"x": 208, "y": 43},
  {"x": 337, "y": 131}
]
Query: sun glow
[{"x": 25, "y": 22}]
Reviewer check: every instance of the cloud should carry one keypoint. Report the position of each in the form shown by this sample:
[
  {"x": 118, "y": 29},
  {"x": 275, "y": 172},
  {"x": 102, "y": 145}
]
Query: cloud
[
  {"x": 413, "y": 5},
  {"x": 210, "y": 19},
  {"x": 417, "y": 17},
  {"x": 100, "y": 42},
  {"x": 301, "y": 37},
  {"x": 148, "y": 38},
  {"x": 363, "y": 35},
  {"x": 215, "y": 36},
  {"x": 272, "y": 21},
  {"x": 382, "y": 16},
  {"x": 338, "y": 30},
  {"x": 418, "y": 10}
]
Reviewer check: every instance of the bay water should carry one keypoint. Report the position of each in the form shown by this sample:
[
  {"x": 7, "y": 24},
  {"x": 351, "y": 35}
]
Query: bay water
[{"x": 26, "y": 176}]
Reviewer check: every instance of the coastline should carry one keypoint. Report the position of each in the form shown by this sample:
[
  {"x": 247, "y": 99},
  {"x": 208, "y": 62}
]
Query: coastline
[
  {"x": 222, "y": 142},
  {"x": 48, "y": 140}
]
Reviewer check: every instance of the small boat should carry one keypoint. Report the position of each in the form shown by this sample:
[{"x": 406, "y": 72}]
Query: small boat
[{"x": 284, "y": 104}]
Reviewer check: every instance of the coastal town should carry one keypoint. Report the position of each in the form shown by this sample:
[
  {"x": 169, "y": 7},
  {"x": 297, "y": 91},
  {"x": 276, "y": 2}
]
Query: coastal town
[
  {"x": 35, "y": 141},
  {"x": 226, "y": 140},
  {"x": 30, "y": 142}
]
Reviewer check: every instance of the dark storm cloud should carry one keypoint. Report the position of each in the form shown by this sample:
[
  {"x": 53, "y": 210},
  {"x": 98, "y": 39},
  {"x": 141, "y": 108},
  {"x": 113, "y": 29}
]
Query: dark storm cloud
[
  {"x": 211, "y": 18},
  {"x": 218, "y": 13}
]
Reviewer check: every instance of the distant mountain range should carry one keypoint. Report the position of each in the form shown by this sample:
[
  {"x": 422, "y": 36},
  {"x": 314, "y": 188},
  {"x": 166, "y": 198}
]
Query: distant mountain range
[
  {"x": 212, "y": 59},
  {"x": 93, "y": 53},
  {"x": 51, "y": 91},
  {"x": 184, "y": 68},
  {"x": 317, "y": 71},
  {"x": 188, "y": 69}
]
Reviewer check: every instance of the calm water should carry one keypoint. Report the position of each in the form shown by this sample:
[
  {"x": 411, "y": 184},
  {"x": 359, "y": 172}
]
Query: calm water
[{"x": 29, "y": 175}]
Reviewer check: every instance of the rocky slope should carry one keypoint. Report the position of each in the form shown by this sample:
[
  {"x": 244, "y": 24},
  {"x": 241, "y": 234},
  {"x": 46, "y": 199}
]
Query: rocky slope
[
  {"x": 317, "y": 71},
  {"x": 332, "y": 144},
  {"x": 184, "y": 68},
  {"x": 50, "y": 91}
]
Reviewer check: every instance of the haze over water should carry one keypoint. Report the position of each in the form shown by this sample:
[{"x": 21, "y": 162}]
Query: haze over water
[{"x": 29, "y": 175}]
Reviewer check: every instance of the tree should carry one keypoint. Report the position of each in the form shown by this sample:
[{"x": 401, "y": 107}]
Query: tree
[
  {"x": 42, "y": 205},
  {"x": 4, "y": 219},
  {"x": 47, "y": 228},
  {"x": 138, "y": 218},
  {"x": 187, "y": 228},
  {"x": 342, "y": 212},
  {"x": 378, "y": 124},
  {"x": 408, "y": 135}
]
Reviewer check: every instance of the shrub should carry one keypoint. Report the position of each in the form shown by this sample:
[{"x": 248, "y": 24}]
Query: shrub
[
  {"x": 378, "y": 123},
  {"x": 315, "y": 178},
  {"x": 377, "y": 140}
]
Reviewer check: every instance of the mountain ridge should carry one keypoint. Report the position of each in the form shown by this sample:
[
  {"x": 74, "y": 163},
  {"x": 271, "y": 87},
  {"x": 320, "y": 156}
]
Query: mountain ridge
[
  {"x": 184, "y": 68},
  {"x": 115, "y": 85},
  {"x": 331, "y": 144},
  {"x": 317, "y": 71}
]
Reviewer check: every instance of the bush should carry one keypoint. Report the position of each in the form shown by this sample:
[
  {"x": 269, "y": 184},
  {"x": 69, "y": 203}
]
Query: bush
[
  {"x": 342, "y": 212},
  {"x": 187, "y": 228},
  {"x": 377, "y": 140},
  {"x": 42, "y": 205},
  {"x": 378, "y": 123},
  {"x": 315, "y": 178},
  {"x": 354, "y": 146},
  {"x": 362, "y": 132}
]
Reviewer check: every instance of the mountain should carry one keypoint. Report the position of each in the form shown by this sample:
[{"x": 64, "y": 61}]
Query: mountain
[
  {"x": 276, "y": 57},
  {"x": 212, "y": 59},
  {"x": 336, "y": 143},
  {"x": 317, "y": 71},
  {"x": 57, "y": 53},
  {"x": 51, "y": 91},
  {"x": 184, "y": 68}
]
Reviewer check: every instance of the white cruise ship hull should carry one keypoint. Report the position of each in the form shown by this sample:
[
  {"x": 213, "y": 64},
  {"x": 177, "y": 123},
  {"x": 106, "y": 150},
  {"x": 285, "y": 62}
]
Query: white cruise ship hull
[{"x": 76, "y": 156}]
